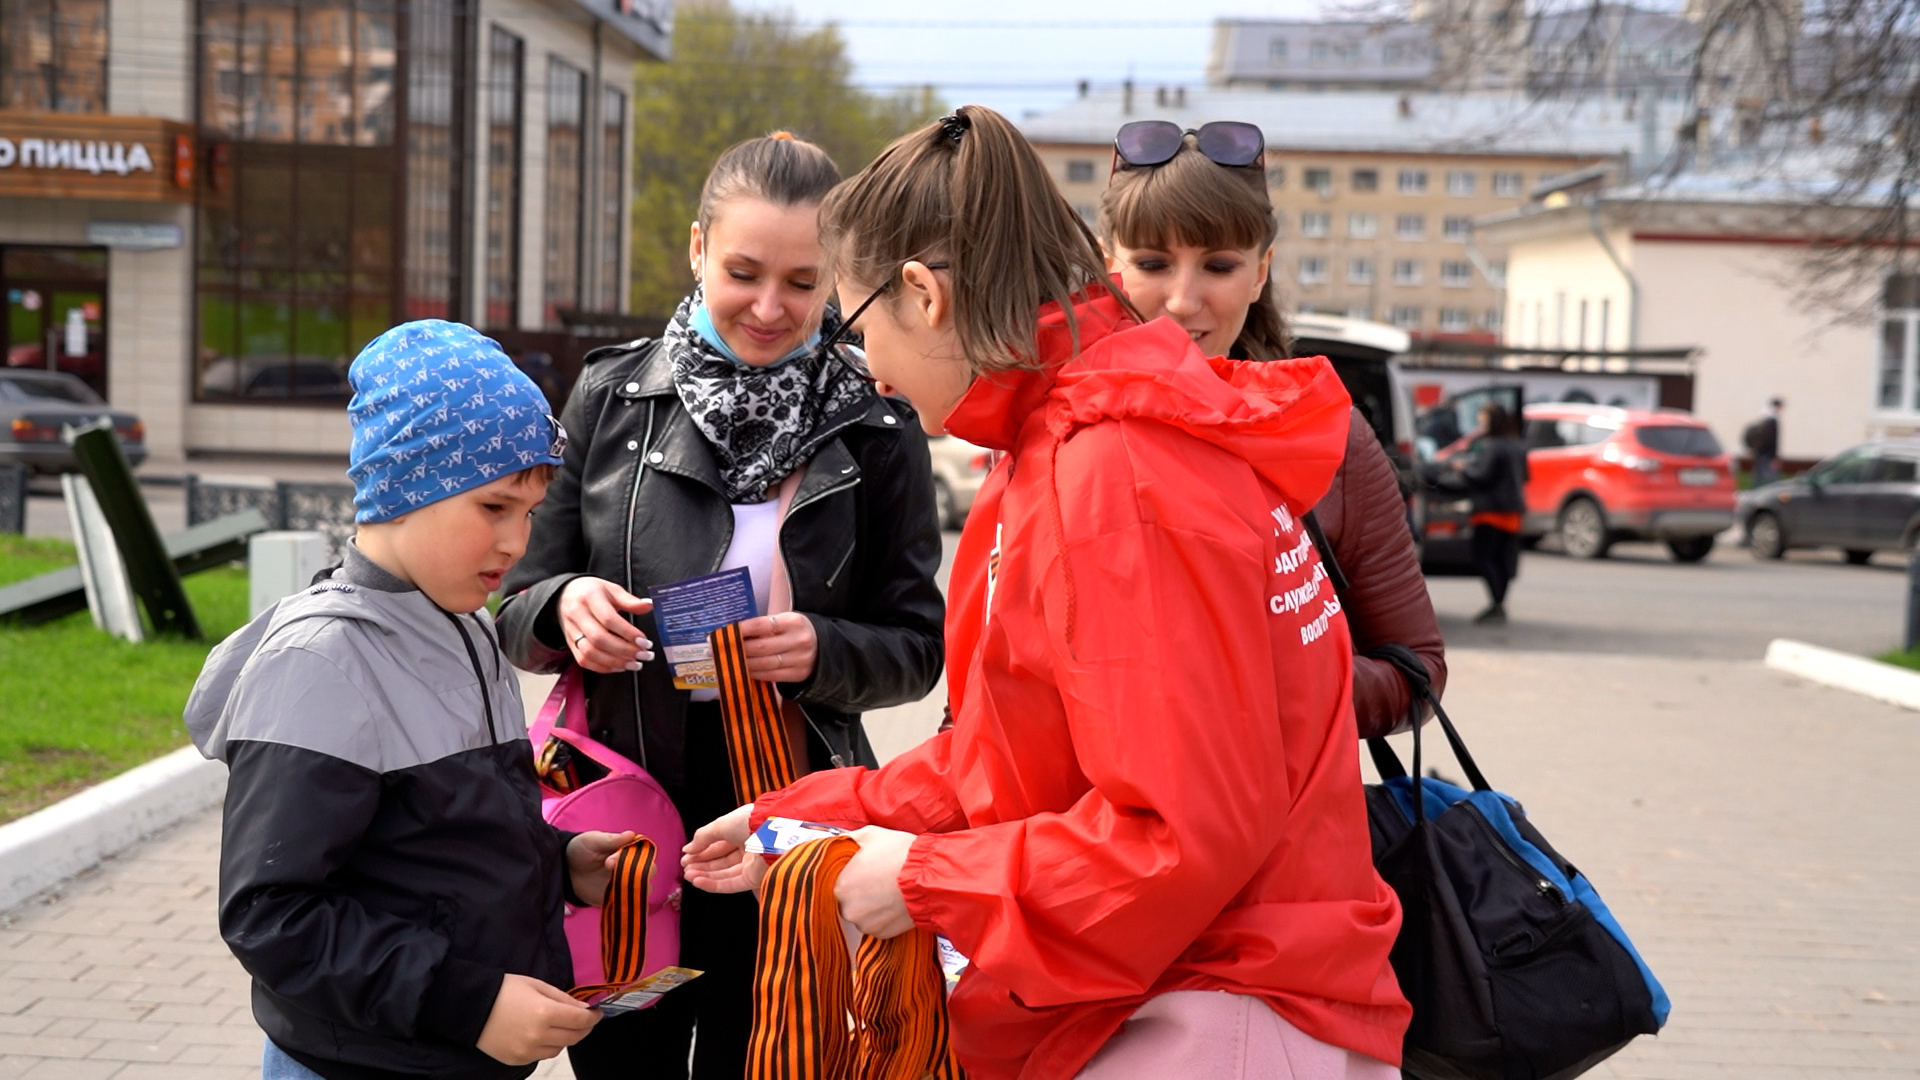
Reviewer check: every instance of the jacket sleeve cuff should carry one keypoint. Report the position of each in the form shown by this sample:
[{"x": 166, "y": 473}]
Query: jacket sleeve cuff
[
  {"x": 459, "y": 1000},
  {"x": 530, "y": 626},
  {"x": 829, "y": 797},
  {"x": 566, "y": 870},
  {"x": 914, "y": 890}
]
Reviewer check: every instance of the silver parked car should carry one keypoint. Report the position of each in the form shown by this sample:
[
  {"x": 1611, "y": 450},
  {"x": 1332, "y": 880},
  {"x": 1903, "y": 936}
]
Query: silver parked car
[
  {"x": 1861, "y": 500},
  {"x": 959, "y": 468},
  {"x": 36, "y": 406}
]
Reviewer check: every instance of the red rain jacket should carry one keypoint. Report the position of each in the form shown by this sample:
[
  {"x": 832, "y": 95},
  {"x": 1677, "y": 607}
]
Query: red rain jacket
[{"x": 1152, "y": 781}]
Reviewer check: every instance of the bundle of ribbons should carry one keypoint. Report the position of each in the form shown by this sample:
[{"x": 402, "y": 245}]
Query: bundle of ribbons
[{"x": 818, "y": 1014}]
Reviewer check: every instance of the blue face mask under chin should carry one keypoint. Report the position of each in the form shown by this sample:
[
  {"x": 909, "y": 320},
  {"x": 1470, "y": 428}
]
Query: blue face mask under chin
[{"x": 702, "y": 322}]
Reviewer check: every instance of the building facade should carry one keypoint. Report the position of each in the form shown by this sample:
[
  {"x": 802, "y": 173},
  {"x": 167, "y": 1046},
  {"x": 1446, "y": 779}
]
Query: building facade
[
  {"x": 1709, "y": 266},
  {"x": 207, "y": 208},
  {"x": 1627, "y": 52},
  {"x": 1376, "y": 194}
]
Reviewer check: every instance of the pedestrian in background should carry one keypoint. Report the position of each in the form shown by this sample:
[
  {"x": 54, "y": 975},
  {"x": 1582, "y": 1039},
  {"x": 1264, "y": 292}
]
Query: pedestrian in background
[
  {"x": 1495, "y": 473},
  {"x": 1145, "y": 828},
  {"x": 1763, "y": 443},
  {"x": 1189, "y": 231},
  {"x": 740, "y": 439}
]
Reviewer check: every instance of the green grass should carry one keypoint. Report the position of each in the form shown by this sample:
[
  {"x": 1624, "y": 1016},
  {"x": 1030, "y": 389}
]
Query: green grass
[
  {"x": 78, "y": 706},
  {"x": 1901, "y": 658}
]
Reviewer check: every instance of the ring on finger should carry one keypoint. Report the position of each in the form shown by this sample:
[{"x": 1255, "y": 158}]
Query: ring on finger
[{"x": 578, "y": 639}]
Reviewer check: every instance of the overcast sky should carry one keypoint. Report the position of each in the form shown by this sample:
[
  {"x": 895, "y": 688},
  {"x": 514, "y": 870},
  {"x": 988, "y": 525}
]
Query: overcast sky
[{"x": 1022, "y": 55}]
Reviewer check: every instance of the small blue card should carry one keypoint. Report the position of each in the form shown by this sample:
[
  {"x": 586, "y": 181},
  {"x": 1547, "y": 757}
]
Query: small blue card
[{"x": 687, "y": 611}]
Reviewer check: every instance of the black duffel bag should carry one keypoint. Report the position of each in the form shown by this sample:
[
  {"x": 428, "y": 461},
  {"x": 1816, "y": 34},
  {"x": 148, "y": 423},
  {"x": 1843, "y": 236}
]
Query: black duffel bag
[{"x": 1515, "y": 967}]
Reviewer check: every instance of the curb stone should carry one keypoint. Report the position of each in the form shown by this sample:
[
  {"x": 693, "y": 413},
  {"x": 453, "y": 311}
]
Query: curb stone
[
  {"x": 1845, "y": 671},
  {"x": 51, "y": 845}
]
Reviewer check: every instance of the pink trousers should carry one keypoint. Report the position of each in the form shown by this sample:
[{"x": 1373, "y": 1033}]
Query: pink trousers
[{"x": 1222, "y": 1036}]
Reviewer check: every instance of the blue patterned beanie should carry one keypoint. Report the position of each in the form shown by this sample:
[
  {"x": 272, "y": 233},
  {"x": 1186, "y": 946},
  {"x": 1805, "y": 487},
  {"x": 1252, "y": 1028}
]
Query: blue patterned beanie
[{"x": 438, "y": 409}]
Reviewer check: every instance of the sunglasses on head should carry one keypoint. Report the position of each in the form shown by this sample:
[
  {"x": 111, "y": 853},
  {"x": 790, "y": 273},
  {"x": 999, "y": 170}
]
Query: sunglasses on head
[
  {"x": 846, "y": 325},
  {"x": 1146, "y": 143}
]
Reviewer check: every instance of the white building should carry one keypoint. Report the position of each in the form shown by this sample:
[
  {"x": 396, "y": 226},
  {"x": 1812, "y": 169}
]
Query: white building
[{"x": 1716, "y": 261}]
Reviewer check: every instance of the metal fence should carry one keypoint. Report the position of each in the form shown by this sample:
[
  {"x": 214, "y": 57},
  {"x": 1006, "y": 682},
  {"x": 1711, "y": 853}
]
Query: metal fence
[
  {"x": 13, "y": 498},
  {"x": 289, "y": 504}
]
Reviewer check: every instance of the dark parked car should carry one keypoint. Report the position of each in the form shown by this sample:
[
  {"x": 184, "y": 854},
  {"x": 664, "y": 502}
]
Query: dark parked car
[
  {"x": 35, "y": 406},
  {"x": 1862, "y": 500}
]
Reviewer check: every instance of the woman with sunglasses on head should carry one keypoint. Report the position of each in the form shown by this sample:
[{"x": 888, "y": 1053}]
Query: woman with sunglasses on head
[
  {"x": 1189, "y": 230},
  {"x": 1150, "y": 793},
  {"x": 740, "y": 439}
]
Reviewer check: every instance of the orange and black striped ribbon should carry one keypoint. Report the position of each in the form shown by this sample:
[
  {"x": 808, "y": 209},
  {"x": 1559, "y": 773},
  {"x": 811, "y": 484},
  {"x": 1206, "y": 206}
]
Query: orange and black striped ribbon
[
  {"x": 816, "y": 1016},
  {"x": 750, "y": 711},
  {"x": 623, "y": 920}
]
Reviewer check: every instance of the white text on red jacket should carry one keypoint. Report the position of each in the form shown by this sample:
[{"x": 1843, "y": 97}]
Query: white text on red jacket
[{"x": 1299, "y": 578}]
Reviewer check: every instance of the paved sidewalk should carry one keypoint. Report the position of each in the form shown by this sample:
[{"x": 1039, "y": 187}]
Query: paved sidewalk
[{"x": 1751, "y": 832}]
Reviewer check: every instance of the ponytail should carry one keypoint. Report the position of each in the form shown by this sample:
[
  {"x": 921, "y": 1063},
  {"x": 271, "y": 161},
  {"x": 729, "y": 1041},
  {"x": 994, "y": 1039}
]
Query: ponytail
[{"x": 968, "y": 190}]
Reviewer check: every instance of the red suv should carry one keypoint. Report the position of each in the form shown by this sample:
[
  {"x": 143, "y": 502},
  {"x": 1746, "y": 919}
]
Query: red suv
[{"x": 1601, "y": 474}]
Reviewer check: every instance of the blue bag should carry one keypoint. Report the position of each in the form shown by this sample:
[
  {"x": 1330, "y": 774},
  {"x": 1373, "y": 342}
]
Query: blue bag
[{"x": 1515, "y": 967}]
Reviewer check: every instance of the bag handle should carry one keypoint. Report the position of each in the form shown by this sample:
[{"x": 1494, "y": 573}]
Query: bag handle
[
  {"x": 565, "y": 708},
  {"x": 1419, "y": 682},
  {"x": 1421, "y": 686}
]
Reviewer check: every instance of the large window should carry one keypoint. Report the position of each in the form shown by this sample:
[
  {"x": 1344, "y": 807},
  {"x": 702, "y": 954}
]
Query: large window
[
  {"x": 506, "y": 98},
  {"x": 331, "y": 187},
  {"x": 566, "y": 169},
  {"x": 297, "y": 218},
  {"x": 1899, "y": 389},
  {"x": 436, "y": 143},
  {"x": 53, "y": 55},
  {"x": 613, "y": 192}
]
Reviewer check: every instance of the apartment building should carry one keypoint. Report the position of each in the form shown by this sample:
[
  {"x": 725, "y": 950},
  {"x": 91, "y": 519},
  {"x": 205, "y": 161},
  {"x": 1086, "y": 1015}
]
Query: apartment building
[
  {"x": 1376, "y": 194},
  {"x": 207, "y": 208},
  {"x": 1624, "y": 51}
]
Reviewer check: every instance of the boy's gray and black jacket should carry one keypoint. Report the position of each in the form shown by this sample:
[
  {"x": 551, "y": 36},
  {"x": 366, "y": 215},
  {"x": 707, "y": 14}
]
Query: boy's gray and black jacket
[
  {"x": 384, "y": 862},
  {"x": 640, "y": 503}
]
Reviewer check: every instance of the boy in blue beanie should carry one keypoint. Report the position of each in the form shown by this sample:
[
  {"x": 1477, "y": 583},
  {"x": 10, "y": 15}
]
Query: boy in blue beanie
[{"x": 385, "y": 874}]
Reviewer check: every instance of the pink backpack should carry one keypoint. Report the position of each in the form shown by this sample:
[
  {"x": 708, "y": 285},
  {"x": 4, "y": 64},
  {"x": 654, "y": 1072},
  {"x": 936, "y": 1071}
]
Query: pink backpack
[{"x": 585, "y": 786}]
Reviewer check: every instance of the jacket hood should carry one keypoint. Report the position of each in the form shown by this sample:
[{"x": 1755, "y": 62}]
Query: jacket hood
[
  {"x": 408, "y": 614},
  {"x": 1288, "y": 419}
]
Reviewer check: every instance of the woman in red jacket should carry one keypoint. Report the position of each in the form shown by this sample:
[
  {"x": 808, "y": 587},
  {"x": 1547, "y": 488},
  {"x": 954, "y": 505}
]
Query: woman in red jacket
[
  {"x": 1150, "y": 793},
  {"x": 1188, "y": 229}
]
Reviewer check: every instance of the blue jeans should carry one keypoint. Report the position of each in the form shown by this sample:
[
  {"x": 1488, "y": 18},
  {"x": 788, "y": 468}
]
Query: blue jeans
[{"x": 276, "y": 1065}]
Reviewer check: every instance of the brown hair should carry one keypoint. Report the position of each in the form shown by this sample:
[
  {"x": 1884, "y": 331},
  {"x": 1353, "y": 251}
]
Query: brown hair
[
  {"x": 779, "y": 168},
  {"x": 1192, "y": 201},
  {"x": 969, "y": 191},
  {"x": 544, "y": 472}
]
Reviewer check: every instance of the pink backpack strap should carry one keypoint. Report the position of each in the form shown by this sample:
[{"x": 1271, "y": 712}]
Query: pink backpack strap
[{"x": 566, "y": 707}]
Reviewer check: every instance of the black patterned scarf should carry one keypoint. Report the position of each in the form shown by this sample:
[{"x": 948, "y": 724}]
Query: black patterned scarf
[{"x": 762, "y": 422}]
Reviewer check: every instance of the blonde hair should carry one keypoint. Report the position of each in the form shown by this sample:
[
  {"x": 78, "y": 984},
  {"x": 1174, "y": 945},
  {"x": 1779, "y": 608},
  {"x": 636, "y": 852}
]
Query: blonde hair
[
  {"x": 969, "y": 191},
  {"x": 1192, "y": 201}
]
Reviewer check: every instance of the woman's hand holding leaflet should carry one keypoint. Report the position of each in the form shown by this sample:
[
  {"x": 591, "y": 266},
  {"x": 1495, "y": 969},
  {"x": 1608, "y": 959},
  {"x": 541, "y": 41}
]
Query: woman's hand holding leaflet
[{"x": 593, "y": 616}]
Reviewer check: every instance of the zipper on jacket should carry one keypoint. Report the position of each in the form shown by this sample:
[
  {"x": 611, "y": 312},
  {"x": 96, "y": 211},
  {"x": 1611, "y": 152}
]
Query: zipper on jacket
[
  {"x": 781, "y": 543},
  {"x": 626, "y": 551},
  {"x": 833, "y": 755},
  {"x": 480, "y": 673},
  {"x": 491, "y": 640}
]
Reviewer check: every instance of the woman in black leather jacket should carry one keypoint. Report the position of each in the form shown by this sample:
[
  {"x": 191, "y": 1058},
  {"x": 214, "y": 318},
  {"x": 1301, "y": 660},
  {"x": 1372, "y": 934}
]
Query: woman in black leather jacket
[{"x": 733, "y": 441}]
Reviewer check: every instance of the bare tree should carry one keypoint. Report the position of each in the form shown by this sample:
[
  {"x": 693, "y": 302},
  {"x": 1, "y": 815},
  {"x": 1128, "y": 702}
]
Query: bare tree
[{"x": 1814, "y": 105}]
